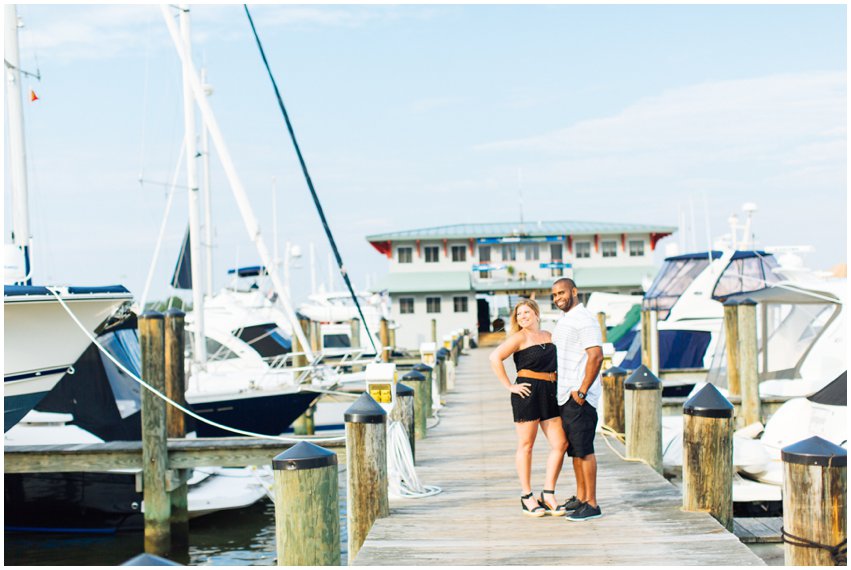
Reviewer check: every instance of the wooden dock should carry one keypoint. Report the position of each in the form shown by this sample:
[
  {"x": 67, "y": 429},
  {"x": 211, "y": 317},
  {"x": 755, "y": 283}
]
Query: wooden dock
[{"x": 477, "y": 520}]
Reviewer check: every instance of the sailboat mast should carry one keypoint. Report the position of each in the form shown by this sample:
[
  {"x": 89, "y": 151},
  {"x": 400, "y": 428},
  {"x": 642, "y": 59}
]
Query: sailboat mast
[
  {"x": 17, "y": 148},
  {"x": 194, "y": 198},
  {"x": 208, "y": 212}
]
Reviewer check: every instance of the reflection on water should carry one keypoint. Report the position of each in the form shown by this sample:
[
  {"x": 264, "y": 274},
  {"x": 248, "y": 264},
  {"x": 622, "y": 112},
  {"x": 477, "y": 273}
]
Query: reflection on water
[{"x": 244, "y": 537}]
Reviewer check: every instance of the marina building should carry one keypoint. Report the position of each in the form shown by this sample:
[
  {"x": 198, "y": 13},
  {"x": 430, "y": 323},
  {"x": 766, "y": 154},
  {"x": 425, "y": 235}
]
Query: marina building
[{"x": 455, "y": 273}]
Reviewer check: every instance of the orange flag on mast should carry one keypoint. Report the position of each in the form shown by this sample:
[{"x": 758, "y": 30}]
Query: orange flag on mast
[{"x": 33, "y": 96}]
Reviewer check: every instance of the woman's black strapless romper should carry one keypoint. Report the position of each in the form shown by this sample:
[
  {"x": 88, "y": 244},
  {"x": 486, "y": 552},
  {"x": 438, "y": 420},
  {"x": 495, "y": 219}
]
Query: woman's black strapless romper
[{"x": 542, "y": 403}]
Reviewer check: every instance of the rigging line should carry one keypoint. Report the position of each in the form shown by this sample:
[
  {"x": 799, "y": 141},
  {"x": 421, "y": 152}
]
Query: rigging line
[
  {"x": 313, "y": 439},
  {"x": 307, "y": 179}
]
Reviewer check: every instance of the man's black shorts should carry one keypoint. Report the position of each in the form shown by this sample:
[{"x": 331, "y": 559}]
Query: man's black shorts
[{"x": 580, "y": 424}]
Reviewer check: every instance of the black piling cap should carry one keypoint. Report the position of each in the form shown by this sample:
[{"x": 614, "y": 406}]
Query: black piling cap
[
  {"x": 731, "y": 302},
  {"x": 152, "y": 315},
  {"x": 747, "y": 301},
  {"x": 304, "y": 455},
  {"x": 413, "y": 376},
  {"x": 149, "y": 560},
  {"x": 815, "y": 451},
  {"x": 442, "y": 353},
  {"x": 615, "y": 371},
  {"x": 708, "y": 403},
  {"x": 175, "y": 313},
  {"x": 642, "y": 379},
  {"x": 422, "y": 367},
  {"x": 365, "y": 410},
  {"x": 404, "y": 391}
]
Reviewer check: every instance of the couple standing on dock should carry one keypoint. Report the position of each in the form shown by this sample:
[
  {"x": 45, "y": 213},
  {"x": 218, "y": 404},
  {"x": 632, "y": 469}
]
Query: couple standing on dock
[{"x": 558, "y": 388}]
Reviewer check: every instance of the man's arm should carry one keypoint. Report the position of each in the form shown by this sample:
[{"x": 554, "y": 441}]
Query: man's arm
[{"x": 592, "y": 369}]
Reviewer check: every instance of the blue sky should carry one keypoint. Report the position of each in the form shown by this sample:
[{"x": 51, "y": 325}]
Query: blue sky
[{"x": 423, "y": 115}]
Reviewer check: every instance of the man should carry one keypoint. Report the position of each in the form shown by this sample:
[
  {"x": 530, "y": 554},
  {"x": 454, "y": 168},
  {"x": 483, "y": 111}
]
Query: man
[{"x": 579, "y": 343}]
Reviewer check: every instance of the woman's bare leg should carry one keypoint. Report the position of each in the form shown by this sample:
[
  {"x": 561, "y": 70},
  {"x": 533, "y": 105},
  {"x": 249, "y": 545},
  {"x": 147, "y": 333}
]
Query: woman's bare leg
[
  {"x": 558, "y": 447},
  {"x": 526, "y": 433}
]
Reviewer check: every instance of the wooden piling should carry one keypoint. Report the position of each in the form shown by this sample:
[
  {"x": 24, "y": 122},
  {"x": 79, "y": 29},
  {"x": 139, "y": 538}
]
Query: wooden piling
[
  {"x": 307, "y": 519},
  {"x": 708, "y": 455},
  {"x": 643, "y": 417},
  {"x": 366, "y": 472},
  {"x": 304, "y": 424},
  {"x": 613, "y": 398},
  {"x": 645, "y": 338},
  {"x": 384, "y": 336},
  {"x": 748, "y": 372},
  {"x": 315, "y": 336},
  {"x": 601, "y": 319},
  {"x": 434, "y": 330},
  {"x": 404, "y": 412},
  {"x": 175, "y": 389},
  {"x": 731, "y": 334},
  {"x": 391, "y": 336},
  {"x": 154, "y": 436},
  {"x": 815, "y": 503},
  {"x": 417, "y": 381},
  {"x": 426, "y": 371},
  {"x": 355, "y": 332},
  {"x": 653, "y": 333}
]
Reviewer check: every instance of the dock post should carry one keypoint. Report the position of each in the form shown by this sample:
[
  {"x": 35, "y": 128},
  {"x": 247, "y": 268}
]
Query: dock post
[
  {"x": 366, "y": 469},
  {"x": 175, "y": 389},
  {"x": 815, "y": 503},
  {"x": 601, "y": 319},
  {"x": 443, "y": 362},
  {"x": 613, "y": 398},
  {"x": 307, "y": 513},
  {"x": 434, "y": 330},
  {"x": 748, "y": 372},
  {"x": 384, "y": 335},
  {"x": 391, "y": 337},
  {"x": 708, "y": 455},
  {"x": 154, "y": 436},
  {"x": 643, "y": 417},
  {"x": 403, "y": 411},
  {"x": 417, "y": 382},
  {"x": 731, "y": 334},
  {"x": 355, "y": 332},
  {"x": 427, "y": 372},
  {"x": 303, "y": 425}
]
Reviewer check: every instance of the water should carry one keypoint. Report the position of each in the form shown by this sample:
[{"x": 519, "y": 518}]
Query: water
[{"x": 244, "y": 537}]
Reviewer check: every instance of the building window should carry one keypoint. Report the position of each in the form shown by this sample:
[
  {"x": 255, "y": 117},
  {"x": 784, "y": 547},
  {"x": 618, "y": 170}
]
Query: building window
[
  {"x": 459, "y": 253},
  {"x": 431, "y": 253},
  {"x": 609, "y": 247},
  {"x": 460, "y": 304},
  {"x": 636, "y": 248},
  {"x": 405, "y": 254},
  {"x": 406, "y": 305},
  {"x": 556, "y": 252},
  {"x": 556, "y": 272},
  {"x": 509, "y": 252},
  {"x": 583, "y": 249},
  {"x": 432, "y": 304},
  {"x": 533, "y": 252},
  {"x": 484, "y": 253}
]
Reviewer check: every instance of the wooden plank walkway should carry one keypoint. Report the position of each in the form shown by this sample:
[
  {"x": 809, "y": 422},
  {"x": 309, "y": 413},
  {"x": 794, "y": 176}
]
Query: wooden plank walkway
[{"x": 476, "y": 520}]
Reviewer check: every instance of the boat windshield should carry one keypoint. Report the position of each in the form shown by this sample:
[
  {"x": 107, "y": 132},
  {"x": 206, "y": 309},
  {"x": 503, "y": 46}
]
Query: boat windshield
[
  {"x": 747, "y": 271},
  {"x": 267, "y": 339},
  {"x": 673, "y": 279}
]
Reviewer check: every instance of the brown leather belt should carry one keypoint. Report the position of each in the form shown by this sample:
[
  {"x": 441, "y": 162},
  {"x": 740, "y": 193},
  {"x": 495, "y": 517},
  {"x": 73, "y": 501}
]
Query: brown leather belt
[{"x": 548, "y": 376}]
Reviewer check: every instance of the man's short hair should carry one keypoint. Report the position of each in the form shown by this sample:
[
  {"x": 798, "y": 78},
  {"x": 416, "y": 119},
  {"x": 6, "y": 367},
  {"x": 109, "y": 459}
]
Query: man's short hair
[{"x": 567, "y": 281}]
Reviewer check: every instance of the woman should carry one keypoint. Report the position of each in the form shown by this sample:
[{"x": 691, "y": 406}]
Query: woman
[{"x": 533, "y": 400}]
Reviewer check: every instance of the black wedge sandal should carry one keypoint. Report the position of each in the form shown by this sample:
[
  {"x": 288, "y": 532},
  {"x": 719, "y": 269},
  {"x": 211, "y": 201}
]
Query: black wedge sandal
[
  {"x": 559, "y": 511},
  {"x": 538, "y": 511}
]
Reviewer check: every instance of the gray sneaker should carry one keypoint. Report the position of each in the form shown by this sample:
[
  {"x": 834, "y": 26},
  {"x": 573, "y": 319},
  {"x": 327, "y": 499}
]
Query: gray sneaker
[
  {"x": 572, "y": 504},
  {"x": 584, "y": 513}
]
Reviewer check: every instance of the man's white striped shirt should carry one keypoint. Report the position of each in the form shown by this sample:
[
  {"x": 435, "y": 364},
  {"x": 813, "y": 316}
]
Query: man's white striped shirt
[{"x": 576, "y": 331}]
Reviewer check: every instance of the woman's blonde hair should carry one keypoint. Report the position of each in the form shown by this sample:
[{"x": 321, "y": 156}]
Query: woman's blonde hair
[{"x": 514, "y": 327}]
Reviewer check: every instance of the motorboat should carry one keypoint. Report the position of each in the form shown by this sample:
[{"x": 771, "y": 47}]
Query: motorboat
[{"x": 334, "y": 311}]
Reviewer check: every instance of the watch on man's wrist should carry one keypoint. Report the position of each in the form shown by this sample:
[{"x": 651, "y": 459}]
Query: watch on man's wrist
[{"x": 581, "y": 394}]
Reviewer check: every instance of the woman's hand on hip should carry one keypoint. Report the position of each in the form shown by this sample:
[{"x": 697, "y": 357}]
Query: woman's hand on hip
[{"x": 521, "y": 390}]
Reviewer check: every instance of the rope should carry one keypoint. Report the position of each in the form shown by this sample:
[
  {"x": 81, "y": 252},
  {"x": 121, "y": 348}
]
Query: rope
[
  {"x": 188, "y": 412},
  {"x": 608, "y": 432},
  {"x": 307, "y": 179},
  {"x": 401, "y": 474},
  {"x": 838, "y": 553}
]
